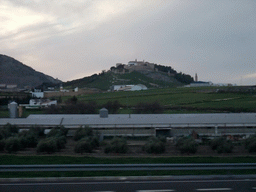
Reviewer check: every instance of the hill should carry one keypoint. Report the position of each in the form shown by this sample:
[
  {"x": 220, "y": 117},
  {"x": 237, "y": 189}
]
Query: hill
[
  {"x": 16, "y": 73},
  {"x": 151, "y": 75}
]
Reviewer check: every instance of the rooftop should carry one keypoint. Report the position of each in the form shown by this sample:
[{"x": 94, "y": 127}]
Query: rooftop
[{"x": 138, "y": 120}]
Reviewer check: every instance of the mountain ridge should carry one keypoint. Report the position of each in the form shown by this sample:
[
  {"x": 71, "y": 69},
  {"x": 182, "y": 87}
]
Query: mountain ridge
[
  {"x": 151, "y": 75},
  {"x": 14, "y": 72}
]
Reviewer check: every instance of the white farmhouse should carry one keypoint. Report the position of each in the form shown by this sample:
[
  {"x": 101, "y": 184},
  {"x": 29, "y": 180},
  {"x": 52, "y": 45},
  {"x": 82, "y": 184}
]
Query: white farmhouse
[
  {"x": 41, "y": 102},
  {"x": 138, "y": 87},
  {"x": 37, "y": 93}
]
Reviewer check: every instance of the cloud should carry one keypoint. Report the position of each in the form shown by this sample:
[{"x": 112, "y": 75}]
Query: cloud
[{"x": 67, "y": 39}]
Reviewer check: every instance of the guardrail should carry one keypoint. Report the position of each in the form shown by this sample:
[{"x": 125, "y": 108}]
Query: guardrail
[{"x": 127, "y": 167}]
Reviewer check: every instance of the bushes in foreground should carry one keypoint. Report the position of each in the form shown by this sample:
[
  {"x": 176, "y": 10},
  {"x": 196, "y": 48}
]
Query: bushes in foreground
[
  {"x": 12, "y": 144},
  {"x": 8, "y": 130},
  {"x": 222, "y": 145},
  {"x": 250, "y": 144},
  {"x": 86, "y": 140},
  {"x": 11, "y": 140},
  {"x": 48, "y": 145},
  {"x": 54, "y": 141},
  {"x": 187, "y": 145},
  {"x": 116, "y": 145},
  {"x": 83, "y": 132},
  {"x": 84, "y": 146},
  {"x": 154, "y": 145}
]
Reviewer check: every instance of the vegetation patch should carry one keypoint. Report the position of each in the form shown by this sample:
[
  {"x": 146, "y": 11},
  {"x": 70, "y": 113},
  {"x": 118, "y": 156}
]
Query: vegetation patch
[
  {"x": 116, "y": 145},
  {"x": 187, "y": 145},
  {"x": 155, "y": 145}
]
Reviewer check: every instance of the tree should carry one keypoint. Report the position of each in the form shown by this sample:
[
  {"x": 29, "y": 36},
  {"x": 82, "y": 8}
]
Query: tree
[
  {"x": 154, "y": 145},
  {"x": 12, "y": 144},
  {"x": 221, "y": 145},
  {"x": 117, "y": 145},
  {"x": 187, "y": 145}
]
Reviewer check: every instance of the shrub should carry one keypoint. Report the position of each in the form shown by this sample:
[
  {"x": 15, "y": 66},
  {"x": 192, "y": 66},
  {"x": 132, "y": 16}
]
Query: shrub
[
  {"x": 12, "y": 144},
  {"x": 2, "y": 145},
  {"x": 48, "y": 145},
  {"x": 112, "y": 106},
  {"x": 4, "y": 134},
  {"x": 153, "y": 107},
  {"x": 84, "y": 146},
  {"x": 250, "y": 143},
  {"x": 37, "y": 131},
  {"x": 95, "y": 142},
  {"x": 58, "y": 131},
  {"x": 58, "y": 134},
  {"x": 215, "y": 143},
  {"x": 82, "y": 132},
  {"x": 8, "y": 130},
  {"x": 11, "y": 128},
  {"x": 53, "y": 132},
  {"x": 187, "y": 145},
  {"x": 28, "y": 139},
  {"x": 80, "y": 108},
  {"x": 252, "y": 147},
  {"x": 226, "y": 147},
  {"x": 60, "y": 141},
  {"x": 117, "y": 145},
  {"x": 154, "y": 145},
  {"x": 221, "y": 145}
]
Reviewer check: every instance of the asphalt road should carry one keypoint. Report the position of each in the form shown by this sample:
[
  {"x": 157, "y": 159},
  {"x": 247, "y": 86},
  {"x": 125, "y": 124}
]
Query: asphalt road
[{"x": 139, "y": 184}]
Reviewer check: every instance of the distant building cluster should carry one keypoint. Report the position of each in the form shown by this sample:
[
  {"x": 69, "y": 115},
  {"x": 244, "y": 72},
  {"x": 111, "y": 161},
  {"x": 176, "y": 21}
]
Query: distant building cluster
[
  {"x": 197, "y": 83},
  {"x": 39, "y": 103},
  {"x": 133, "y": 66}
]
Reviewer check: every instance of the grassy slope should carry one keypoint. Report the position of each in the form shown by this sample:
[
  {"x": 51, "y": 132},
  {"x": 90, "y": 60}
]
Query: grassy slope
[{"x": 104, "y": 82}]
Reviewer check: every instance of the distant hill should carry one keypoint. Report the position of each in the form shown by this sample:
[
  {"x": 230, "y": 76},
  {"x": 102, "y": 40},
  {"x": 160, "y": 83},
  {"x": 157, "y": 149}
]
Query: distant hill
[
  {"x": 16, "y": 73},
  {"x": 137, "y": 72}
]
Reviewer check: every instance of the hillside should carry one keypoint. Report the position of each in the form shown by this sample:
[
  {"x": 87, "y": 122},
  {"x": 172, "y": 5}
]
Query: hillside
[
  {"x": 104, "y": 81},
  {"x": 155, "y": 76},
  {"x": 16, "y": 73}
]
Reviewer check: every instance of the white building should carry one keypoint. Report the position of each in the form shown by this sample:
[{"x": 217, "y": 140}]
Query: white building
[
  {"x": 128, "y": 87},
  {"x": 210, "y": 124},
  {"x": 41, "y": 102},
  {"x": 37, "y": 93},
  {"x": 200, "y": 84}
]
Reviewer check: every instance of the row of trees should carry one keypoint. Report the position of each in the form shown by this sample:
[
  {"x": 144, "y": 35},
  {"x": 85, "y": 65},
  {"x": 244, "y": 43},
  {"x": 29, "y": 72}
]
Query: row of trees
[
  {"x": 220, "y": 145},
  {"x": 181, "y": 77},
  {"x": 73, "y": 106},
  {"x": 11, "y": 140}
]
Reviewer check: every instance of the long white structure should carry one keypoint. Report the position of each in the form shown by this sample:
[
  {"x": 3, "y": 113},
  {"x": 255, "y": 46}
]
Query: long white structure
[{"x": 147, "y": 124}]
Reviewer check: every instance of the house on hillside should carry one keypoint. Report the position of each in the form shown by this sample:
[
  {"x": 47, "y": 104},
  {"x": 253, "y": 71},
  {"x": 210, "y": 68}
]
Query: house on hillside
[
  {"x": 133, "y": 66},
  {"x": 138, "y": 87},
  {"x": 39, "y": 103},
  {"x": 200, "y": 84},
  {"x": 42, "y": 102},
  {"x": 37, "y": 93}
]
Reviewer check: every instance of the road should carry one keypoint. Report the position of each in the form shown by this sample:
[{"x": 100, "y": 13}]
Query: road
[{"x": 165, "y": 184}]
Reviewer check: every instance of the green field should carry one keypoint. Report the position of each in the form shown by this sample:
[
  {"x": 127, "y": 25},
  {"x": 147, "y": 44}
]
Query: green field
[
  {"x": 174, "y": 100},
  {"x": 25, "y": 160},
  {"x": 52, "y": 159},
  {"x": 185, "y": 98}
]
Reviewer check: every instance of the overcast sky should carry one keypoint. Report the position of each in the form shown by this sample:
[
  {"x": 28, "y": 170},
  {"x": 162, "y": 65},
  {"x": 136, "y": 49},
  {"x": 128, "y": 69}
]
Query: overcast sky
[{"x": 70, "y": 39}]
